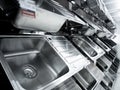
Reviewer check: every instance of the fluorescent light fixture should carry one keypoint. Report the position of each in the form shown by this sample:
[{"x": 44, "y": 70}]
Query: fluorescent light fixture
[{"x": 73, "y": 2}]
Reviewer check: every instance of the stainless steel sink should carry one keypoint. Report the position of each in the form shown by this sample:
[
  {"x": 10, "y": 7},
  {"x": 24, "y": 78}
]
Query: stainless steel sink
[
  {"x": 85, "y": 78},
  {"x": 30, "y": 63},
  {"x": 86, "y": 45},
  {"x": 101, "y": 44},
  {"x": 69, "y": 84},
  {"x": 101, "y": 65},
  {"x": 110, "y": 43}
]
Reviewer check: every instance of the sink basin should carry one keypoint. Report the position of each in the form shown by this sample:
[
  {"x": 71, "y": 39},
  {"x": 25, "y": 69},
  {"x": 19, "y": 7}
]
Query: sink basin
[
  {"x": 110, "y": 43},
  {"x": 85, "y": 78},
  {"x": 88, "y": 47},
  {"x": 101, "y": 44},
  {"x": 85, "y": 47},
  {"x": 69, "y": 84},
  {"x": 101, "y": 65},
  {"x": 32, "y": 62}
]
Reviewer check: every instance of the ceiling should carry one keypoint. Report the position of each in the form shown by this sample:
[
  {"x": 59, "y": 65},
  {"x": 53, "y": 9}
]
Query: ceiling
[{"x": 113, "y": 7}]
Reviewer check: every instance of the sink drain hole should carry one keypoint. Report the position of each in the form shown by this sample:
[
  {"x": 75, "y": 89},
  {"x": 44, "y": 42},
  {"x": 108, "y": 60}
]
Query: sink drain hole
[{"x": 29, "y": 71}]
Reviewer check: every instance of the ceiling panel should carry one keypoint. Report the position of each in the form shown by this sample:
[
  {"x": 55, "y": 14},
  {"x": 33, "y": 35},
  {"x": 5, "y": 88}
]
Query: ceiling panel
[
  {"x": 109, "y": 1},
  {"x": 115, "y": 14},
  {"x": 113, "y": 7},
  {"x": 114, "y": 11}
]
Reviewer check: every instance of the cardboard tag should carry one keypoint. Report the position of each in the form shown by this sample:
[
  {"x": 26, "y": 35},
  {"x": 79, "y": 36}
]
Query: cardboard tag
[
  {"x": 28, "y": 13},
  {"x": 28, "y": 7}
]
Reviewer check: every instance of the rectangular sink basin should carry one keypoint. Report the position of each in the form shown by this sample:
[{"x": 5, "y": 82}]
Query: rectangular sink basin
[
  {"x": 101, "y": 44},
  {"x": 31, "y": 62},
  {"x": 85, "y": 78},
  {"x": 85, "y": 47},
  {"x": 110, "y": 43},
  {"x": 88, "y": 47},
  {"x": 101, "y": 65},
  {"x": 69, "y": 84}
]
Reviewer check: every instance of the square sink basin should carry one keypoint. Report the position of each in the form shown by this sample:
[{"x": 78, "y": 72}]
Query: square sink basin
[{"x": 32, "y": 62}]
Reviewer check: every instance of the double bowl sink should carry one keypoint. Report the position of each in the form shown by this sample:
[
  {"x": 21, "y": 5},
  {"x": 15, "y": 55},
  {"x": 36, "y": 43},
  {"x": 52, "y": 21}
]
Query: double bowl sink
[{"x": 31, "y": 63}]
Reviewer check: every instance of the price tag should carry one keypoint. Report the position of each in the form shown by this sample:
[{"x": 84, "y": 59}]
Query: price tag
[{"x": 28, "y": 7}]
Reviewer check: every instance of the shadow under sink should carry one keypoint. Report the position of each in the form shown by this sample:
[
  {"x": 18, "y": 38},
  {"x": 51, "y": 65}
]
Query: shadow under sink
[{"x": 31, "y": 70}]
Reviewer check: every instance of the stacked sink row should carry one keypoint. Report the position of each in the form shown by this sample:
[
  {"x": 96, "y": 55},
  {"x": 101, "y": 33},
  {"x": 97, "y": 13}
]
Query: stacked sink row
[{"x": 58, "y": 62}]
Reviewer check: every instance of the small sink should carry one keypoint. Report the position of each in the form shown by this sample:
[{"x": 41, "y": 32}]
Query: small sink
[
  {"x": 102, "y": 44},
  {"x": 85, "y": 78},
  {"x": 110, "y": 43},
  {"x": 31, "y": 69},
  {"x": 101, "y": 65},
  {"x": 69, "y": 84},
  {"x": 85, "y": 47}
]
